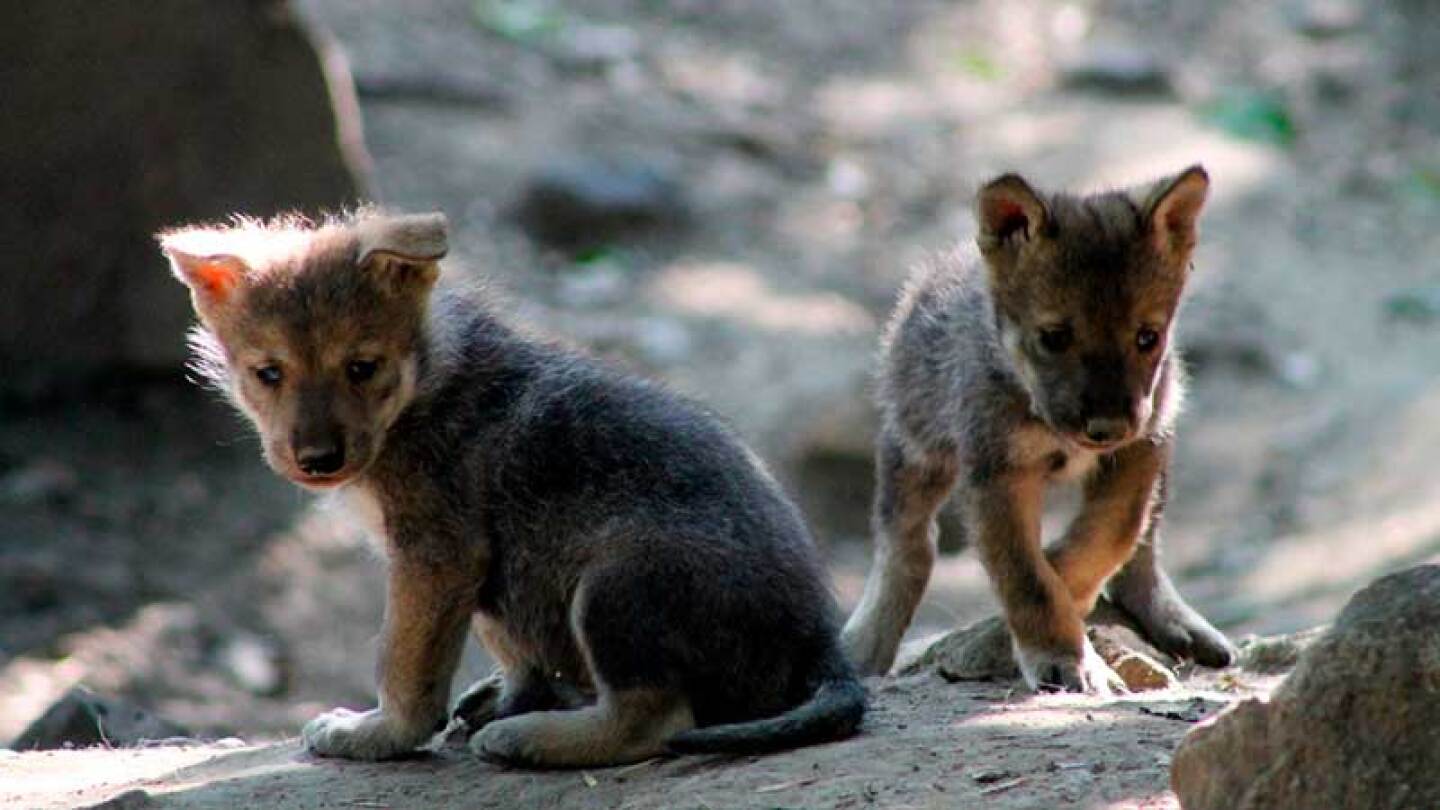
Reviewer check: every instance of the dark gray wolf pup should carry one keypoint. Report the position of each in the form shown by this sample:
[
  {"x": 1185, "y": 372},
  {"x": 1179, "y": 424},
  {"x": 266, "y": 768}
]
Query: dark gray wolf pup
[{"x": 643, "y": 582}]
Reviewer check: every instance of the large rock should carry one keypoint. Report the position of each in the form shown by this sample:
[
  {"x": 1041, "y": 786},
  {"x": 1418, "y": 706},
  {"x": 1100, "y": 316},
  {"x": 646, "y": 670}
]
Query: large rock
[
  {"x": 122, "y": 119},
  {"x": 1356, "y": 725},
  {"x": 587, "y": 202},
  {"x": 82, "y": 718}
]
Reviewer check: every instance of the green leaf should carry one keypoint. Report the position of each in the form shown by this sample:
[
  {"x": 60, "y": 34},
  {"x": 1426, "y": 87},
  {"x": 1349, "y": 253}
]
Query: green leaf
[
  {"x": 1252, "y": 115},
  {"x": 522, "y": 21},
  {"x": 978, "y": 64}
]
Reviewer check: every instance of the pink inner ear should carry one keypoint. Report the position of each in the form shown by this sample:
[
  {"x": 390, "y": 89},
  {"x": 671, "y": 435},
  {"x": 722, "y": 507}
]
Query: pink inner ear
[
  {"x": 1009, "y": 218},
  {"x": 217, "y": 278}
]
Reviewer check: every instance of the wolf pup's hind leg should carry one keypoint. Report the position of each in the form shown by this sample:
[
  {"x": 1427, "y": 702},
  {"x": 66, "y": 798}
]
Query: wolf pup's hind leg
[{"x": 909, "y": 493}]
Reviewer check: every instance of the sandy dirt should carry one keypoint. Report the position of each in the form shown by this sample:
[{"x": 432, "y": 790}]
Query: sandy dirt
[
  {"x": 823, "y": 146},
  {"x": 926, "y": 744}
]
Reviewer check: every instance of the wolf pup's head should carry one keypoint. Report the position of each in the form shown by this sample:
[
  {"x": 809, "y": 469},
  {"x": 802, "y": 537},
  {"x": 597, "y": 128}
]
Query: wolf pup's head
[
  {"x": 312, "y": 330},
  {"x": 1085, "y": 292}
]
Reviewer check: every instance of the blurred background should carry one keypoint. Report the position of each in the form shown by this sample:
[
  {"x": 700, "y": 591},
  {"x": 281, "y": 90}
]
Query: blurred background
[{"x": 725, "y": 194}]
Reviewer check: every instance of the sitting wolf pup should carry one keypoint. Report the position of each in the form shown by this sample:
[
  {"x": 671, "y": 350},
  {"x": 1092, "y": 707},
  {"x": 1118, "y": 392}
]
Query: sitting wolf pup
[
  {"x": 1047, "y": 357},
  {"x": 608, "y": 540}
]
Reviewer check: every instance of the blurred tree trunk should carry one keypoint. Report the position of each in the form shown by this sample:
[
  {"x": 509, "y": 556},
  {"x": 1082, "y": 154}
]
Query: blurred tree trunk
[{"x": 119, "y": 119}]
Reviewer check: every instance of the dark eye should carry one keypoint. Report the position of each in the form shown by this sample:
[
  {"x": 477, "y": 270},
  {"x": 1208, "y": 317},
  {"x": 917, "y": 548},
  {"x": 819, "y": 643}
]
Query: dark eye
[
  {"x": 1056, "y": 339},
  {"x": 269, "y": 376},
  {"x": 360, "y": 371},
  {"x": 1146, "y": 340}
]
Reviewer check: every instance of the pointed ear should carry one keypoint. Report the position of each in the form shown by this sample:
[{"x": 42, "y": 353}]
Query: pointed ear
[
  {"x": 406, "y": 248},
  {"x": 212, "y": 279},
  {"x": 1172, "y": 207},
  {"x": 1009, "y": 211}
]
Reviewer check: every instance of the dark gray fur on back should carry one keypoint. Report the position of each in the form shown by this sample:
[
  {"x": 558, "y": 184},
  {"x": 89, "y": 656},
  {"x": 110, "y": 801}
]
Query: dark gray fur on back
[{"x": 694, "y": 571}]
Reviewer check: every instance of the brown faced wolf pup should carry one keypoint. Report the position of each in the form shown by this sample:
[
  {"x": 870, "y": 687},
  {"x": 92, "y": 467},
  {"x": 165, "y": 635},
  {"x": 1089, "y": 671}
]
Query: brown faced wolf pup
[
  {"x": 1047, "y": 357},
  {"x": 643, "y": 582}
]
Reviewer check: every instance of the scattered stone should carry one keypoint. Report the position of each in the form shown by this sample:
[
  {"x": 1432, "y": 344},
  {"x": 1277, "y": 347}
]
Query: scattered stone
[
  {"x": 136, "y": 799},
  {"x": 457, "y": 90},
  {"x": 1272, "y": 654},
  {"x": 662, "y": 341},
  {"x": 1192, "y": 710},
  {"x": 82, "y": 718},
  {"x": 1323, "y": 19},
  {"x": 981, "y": 651},
  {"x": 169, "y": 742},
  {"x": 42, "y": 480},
  {"x": 990, "y": 777},
  {"x": 1299, "y": 370},
  {"x": 1355, "y": 725},
  {"x": 254, "y": 664},
  {"x": 1120, "y": 69},
  {"x": 594, "y": 47},
  {"x": 1418, "y": 305},
  {"x": 1140, "y": 672},
  {"x": 588, "y": 202},
  {"x": 592, "y": 285}
]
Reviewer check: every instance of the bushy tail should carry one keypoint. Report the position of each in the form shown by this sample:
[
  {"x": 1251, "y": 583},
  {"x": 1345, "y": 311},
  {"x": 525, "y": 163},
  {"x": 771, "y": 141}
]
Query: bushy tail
[{"x": 833, "y": 712}]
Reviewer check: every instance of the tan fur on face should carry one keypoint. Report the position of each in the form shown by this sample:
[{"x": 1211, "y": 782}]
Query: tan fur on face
[
  {"x": 1102, "y": 267},
  {"x": 309, "y": 300}
]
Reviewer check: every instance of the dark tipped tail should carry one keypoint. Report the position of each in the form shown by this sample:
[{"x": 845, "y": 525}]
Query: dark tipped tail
[{"x": 833, "y": 712}]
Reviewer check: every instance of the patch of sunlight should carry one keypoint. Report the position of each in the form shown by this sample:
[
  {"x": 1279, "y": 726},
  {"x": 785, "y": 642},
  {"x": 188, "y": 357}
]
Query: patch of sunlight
[
  {"x": 1364, "y": 548},
  {"x": 722, "y": 79},
  {"x": 28, "y": 686},
  {"x": 1162, "y": 799},
  {"x": 44, "y": 775},
  {"x": 734, "y": 291},
  {"x": 1124, "y": 143},
  {"x": 1036, "y": 713},
  {"x": 869, "y": 107},
  {"x": 1395, "y": 519}
]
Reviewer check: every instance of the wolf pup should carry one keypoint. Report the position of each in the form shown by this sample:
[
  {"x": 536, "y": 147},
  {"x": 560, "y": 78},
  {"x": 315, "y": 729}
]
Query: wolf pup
[
  {"x": 1047, "y": 357},
  {"x": 639, "y": 576}
]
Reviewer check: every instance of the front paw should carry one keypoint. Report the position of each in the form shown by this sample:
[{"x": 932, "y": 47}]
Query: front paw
[
  {"x": 504, "y": 741},
  {"x": 368, "y": 735},
  {"x": 1049, "y": 670}
]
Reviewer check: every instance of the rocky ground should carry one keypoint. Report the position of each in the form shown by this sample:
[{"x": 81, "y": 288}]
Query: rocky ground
[
  {"x": 927, "y": 744},
  {"x": 761, "y": 175}
]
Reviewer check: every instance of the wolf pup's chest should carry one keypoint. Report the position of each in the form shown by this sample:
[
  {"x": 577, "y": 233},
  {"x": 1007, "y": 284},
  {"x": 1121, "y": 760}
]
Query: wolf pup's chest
[
  {"x": 361, "y": 507},
  {"x": 1037, "y": 447}
]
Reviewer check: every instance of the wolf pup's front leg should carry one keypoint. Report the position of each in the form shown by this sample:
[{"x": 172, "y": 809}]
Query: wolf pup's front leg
[
  {"x": 427, "y": 611},
  {"x": 1047, "y": 626}
]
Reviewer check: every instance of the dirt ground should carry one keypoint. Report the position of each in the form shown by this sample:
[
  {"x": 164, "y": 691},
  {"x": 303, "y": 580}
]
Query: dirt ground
[
  {"x": 927, "y": 744},
  {"x": 822, "y": 148}
]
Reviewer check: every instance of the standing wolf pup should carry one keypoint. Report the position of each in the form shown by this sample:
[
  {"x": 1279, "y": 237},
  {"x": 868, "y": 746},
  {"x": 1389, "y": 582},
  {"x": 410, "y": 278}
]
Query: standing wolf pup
[
  {"x": 639, "y": 576},
  {"x": 1045, "y": 358}
]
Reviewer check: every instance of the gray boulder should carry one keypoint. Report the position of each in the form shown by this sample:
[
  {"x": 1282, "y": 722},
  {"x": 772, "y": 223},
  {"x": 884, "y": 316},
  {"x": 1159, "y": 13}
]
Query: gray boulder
[
  {"x": 1356, "y": 725},
  {"x": 82, "y": 718},
  {"x": 587, "y": 202},
  {"x": 121, "y": 119}
]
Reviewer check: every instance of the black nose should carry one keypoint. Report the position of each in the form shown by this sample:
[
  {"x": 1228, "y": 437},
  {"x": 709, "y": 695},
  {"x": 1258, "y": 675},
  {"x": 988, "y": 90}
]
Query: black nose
[
  {"x": 1104, "y": 431},
  {"x": 320, "y": 460}
]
